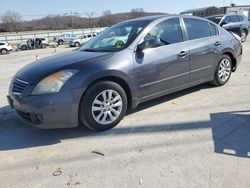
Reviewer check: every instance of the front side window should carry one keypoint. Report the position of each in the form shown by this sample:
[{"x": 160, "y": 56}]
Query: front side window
[
  {"x": 169, "y": 32},
  {"x": 227, "y": 19},
  {"x": 241, "y": 18},
  {"x": 116, "y": 37},
  {"x": 215, "y": 19},
  {"x": 197, "y": 29}
]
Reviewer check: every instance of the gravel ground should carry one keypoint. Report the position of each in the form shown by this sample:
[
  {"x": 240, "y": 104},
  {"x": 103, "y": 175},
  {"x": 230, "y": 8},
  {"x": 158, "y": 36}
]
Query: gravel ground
[{"x": 199, "y": 137}]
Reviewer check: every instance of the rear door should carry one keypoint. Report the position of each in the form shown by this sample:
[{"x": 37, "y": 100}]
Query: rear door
[{"x": 203, "y": 43}]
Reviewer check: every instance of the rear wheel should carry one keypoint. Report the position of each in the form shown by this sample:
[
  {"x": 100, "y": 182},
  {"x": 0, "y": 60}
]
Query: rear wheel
[
  {"x": 23, "y": 47},
  {"x": 103, "y": 106},
  {"x": 43, "y": 46},
  {"x": 243, "y": 35},
  {"x": 4, "y": 51},
  {"x": 77, "y": 44},
  {"x": 223, "y": 71}
]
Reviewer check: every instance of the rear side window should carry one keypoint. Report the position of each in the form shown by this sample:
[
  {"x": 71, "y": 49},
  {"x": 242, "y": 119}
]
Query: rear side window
[
  {"x": 169, "y": 32},
  {"x": 234, "y": 18},
  {"x": 214, "y": 29},
  {"x": 241, "y": 18},
  {"x": 89, "y": 36},
  {"x": 197, "y": 29},
  {"x": 1, "y": 44}
]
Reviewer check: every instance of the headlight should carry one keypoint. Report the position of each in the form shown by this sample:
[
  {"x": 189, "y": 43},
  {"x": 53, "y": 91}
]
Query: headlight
[{"x": 53, "y": 83}]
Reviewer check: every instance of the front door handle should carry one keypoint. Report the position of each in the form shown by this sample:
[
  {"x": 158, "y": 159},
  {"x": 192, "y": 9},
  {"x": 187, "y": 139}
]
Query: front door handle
[
  {"x": 182, "y": 54},
  {"x": 217, "y": 43}
]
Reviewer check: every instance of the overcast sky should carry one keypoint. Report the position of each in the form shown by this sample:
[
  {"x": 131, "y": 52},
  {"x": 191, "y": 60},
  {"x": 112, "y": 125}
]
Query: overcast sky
[{"x": 31, "y": 9}]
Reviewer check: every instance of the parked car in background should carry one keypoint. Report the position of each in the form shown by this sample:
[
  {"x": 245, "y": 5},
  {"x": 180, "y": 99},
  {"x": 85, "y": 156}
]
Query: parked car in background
[
  {"x": 5, "y": 47},
  {"x": 81, "y": 40},
  {"x": 33, "y": 44},
  {"x": 65, "y": 38},
  {"x": 235, "y": 23},
  {"x": 95, "y": 84}
]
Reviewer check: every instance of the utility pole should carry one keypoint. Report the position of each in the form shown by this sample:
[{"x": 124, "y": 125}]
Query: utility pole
[{"x": 71, "y": 14}]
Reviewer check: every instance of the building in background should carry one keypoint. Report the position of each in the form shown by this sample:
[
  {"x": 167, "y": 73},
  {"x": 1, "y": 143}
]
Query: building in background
[
  {"x": 208, "y": 11},
  {"x": 241, "y": 9},
  {"x": 203, "y": 12}
]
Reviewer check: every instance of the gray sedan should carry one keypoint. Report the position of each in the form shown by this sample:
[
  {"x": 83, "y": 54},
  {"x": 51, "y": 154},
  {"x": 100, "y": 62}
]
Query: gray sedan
[{"x": 125, "y": 65}]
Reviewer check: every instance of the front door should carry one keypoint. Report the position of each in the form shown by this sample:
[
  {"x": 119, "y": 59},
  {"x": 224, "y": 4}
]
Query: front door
[{"x": 164, "y": 68}]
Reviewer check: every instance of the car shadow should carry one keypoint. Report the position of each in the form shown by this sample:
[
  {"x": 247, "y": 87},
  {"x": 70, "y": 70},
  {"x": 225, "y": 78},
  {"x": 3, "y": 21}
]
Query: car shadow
[{"x": 230, "y": 130}]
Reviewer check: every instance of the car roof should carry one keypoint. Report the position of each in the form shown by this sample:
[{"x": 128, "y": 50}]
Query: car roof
[
  {"x": 217, "y": 15},
  {"x": 158, "y": 17}
]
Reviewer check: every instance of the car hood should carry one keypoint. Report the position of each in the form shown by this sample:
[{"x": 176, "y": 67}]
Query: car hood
[{"x": 38, "y": 70}]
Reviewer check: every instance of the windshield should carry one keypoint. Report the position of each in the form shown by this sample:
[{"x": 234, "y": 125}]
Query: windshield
[
  {"x": 215, "y": 19},
  {"x": 116, "y": 37}
]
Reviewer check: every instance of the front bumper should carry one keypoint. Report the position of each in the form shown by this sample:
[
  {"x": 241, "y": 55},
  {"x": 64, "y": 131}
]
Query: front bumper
[
  {"x": 50, "y": 111},
  {"x": 238, "y": 57}
]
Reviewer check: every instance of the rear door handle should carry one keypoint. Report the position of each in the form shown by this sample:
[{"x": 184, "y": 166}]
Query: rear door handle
[
  {"x": 182, "y": 54},
  {"x": 217, "y": 43}
]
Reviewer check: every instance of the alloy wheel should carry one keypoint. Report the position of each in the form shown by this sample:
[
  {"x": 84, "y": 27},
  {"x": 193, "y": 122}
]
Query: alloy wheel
[
  {"x": 243, "y": 36},
  {"x": 107, "y": 107},
  {"x": 224, "y": 70}
]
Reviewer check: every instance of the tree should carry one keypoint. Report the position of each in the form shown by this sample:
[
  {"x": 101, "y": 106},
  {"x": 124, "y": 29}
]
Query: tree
[
  {"x": 106, "y": 19},
  {"x": 137, "y": 12},
  {"x": 12, "y": 21}
]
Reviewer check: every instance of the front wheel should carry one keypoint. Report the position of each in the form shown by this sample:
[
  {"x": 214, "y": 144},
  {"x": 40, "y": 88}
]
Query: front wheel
[
  {"x": 243, "y": 36},
  {"x": 3, "y": 51},
  {"x": 223, "y": 71},
  {"x": 103, "y": 106},
  {"x": 60, "y": 42}
]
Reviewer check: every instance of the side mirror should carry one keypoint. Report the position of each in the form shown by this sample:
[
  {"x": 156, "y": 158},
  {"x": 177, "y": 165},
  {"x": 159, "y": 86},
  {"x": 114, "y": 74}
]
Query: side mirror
[
  {"x": 223, "y": 23},
  {"x": 151, "y": 43}
]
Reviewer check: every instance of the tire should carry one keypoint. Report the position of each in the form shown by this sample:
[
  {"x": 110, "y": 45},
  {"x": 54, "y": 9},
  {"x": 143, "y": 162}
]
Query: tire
[
  {"x": 77, "y": 44},
  {"x": 4, "y": 51},
  {"x": 243, "y": 35},
  {"x": 43, "y": 46},
  {"x": 60, "y": 42},
  {"x": 23, "y": 47},
  {"x": 93, "y": 107},
  {"x": 223, "y": 71}
]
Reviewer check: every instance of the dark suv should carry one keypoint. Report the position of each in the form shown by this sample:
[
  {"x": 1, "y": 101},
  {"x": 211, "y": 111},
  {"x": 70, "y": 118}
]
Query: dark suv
[{"x": 235, "y": 23}]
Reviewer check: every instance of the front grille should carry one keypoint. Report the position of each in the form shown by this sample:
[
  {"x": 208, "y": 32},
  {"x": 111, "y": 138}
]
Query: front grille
[{"x": 19, "y": 86}]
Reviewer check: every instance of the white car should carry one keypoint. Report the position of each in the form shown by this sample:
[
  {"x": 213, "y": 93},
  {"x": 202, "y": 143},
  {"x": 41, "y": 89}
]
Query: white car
[
  {"x": 37, "y": 43},
  {"x": 81, "y": 40},
  {"x": 5, "y": 47}
]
